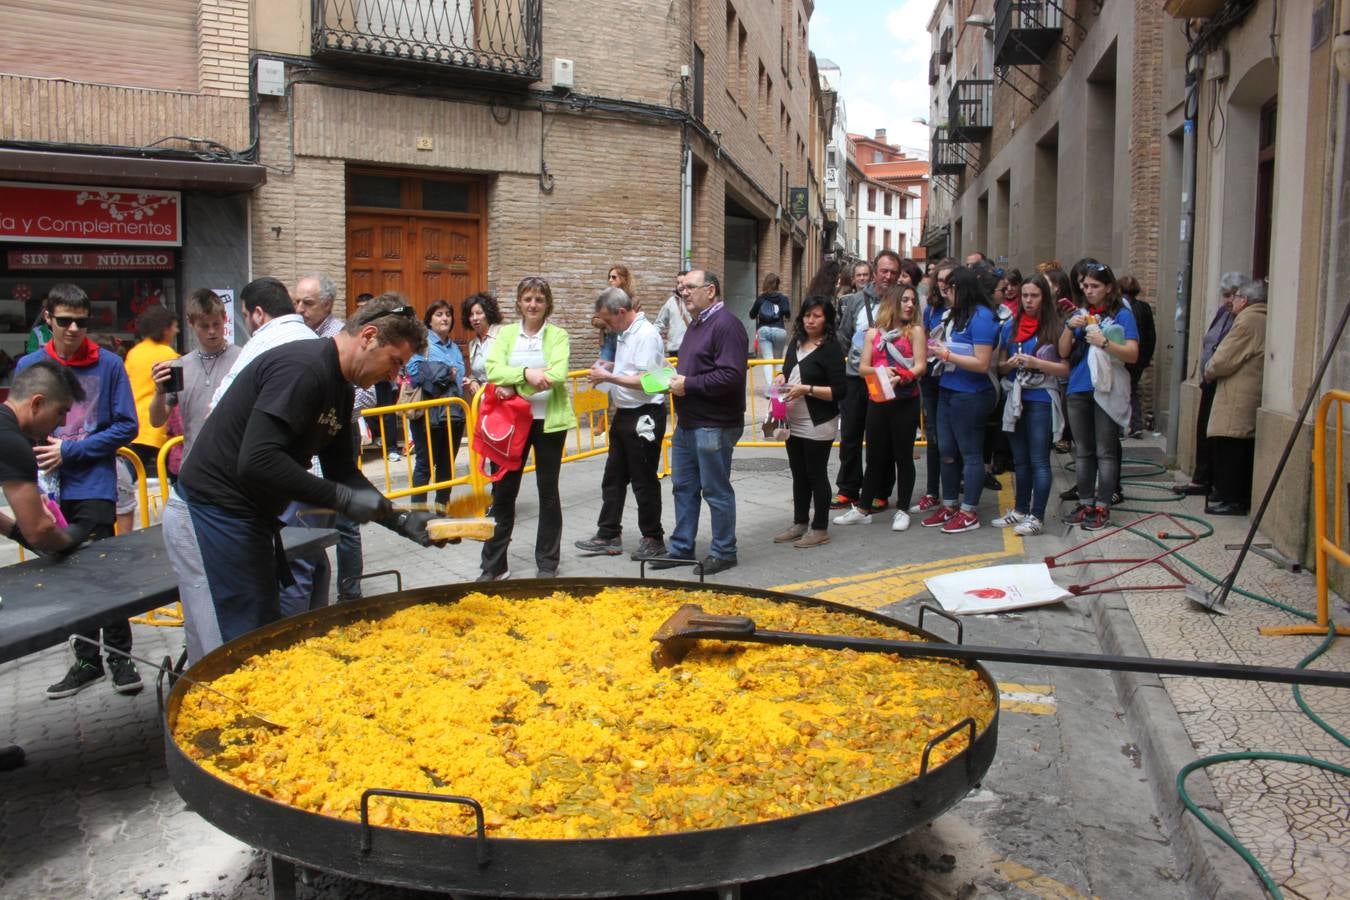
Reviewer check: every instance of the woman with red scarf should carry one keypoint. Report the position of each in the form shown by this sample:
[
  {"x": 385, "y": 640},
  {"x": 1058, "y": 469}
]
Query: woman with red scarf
[
  {"x": 1031, "y": 366},
  {"x": 1104, "y": 323}
]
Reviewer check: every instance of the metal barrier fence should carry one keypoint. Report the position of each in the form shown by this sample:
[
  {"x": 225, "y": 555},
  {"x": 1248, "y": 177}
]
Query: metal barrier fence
[
  {"x": 1326, "y": 546},
  {"x": 588, "y": 404}
]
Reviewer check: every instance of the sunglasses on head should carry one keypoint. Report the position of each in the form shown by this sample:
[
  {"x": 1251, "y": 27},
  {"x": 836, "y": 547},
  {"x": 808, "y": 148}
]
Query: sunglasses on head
[
  {"x": 1095, "y": 269},
  {"x": 67, "y": 321},
  {"x": 405, "y": 310}
]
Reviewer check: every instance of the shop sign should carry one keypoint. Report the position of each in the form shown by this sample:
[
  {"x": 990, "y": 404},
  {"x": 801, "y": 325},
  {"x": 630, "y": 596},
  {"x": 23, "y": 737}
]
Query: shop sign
[
  {"x": 797, "y": 202},
  {"x": 65, "y": 214},
  {"x": 96, "y": 260}
]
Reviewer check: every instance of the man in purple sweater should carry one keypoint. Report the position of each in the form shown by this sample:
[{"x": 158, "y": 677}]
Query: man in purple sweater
[{"x": 709, "y": 392}]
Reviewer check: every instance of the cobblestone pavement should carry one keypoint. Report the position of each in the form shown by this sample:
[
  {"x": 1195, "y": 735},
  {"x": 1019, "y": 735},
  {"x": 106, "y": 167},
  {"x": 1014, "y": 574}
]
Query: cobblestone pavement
[
  {"x": 1066, "y": 811},
  {"x": 1293, "y": 818}
]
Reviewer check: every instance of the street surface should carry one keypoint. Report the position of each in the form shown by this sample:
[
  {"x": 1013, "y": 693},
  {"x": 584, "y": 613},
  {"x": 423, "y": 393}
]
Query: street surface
[{"x": 1067, "y": 809}]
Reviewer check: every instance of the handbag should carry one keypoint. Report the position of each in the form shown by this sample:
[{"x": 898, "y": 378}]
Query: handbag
[
  {"x": 407, "y": 393},
  {"x": 502, "y": 430}
]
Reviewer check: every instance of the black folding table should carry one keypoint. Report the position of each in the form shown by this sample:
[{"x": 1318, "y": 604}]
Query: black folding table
[{"x": 44, "y": 601}]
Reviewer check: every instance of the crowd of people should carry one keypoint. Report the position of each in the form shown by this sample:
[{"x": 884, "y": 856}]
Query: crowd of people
[{"x": 986, "y": 362}]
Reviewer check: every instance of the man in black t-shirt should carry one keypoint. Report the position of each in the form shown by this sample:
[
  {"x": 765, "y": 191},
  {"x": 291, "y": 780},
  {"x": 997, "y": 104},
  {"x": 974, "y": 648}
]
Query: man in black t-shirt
[
  {"x": 38, "y": 402},
  {"x": 252, "y": 457}
]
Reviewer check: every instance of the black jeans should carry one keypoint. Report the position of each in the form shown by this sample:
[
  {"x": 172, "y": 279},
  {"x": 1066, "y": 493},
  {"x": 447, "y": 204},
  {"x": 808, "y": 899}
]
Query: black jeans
[
  {"x": 891, "y": 427},
  {"x": 99, "y": 515},
  {"x": 852, "y": 429},
  {"x": 928, "y": 389},
  {"x": 548, "y": 452},
  {"x": 633, "y": 459},
  {"x": 809, "y": 461},
  {"x": 1232, "y": 462},
  {"x": 1096, "y": 450},
  {"x": 438, "y": 464},
  {"x": 1204, "y": 454}
]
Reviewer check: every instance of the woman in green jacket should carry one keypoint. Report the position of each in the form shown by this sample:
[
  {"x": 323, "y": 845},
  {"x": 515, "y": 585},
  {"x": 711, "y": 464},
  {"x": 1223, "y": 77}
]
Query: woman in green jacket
[{"x": 531, "y": 357}]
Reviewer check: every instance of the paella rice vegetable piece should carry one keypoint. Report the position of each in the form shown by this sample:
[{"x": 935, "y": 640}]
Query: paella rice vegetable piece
[{"x": 550, "y": 714}]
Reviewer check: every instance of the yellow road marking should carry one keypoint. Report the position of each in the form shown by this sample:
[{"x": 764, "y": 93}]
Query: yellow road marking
[
  {"x": 872, "y": 590},
  {"x": 1029, "y": 699},
  {"x": 1018, "y": 687},
  {"x": 1036, "y": 884},
  {"x": 1026, "y": 707}
]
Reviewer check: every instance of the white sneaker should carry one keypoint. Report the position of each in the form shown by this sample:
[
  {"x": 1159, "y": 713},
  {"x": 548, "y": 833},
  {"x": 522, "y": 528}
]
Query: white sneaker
[
  {"x": 900, "y": 521},
  {"x": 395, "y": 456},
  {"x": 1028, "y": 526},
  {"x": 1008, "y": 519},
  {"x": 853, "y": 516}
]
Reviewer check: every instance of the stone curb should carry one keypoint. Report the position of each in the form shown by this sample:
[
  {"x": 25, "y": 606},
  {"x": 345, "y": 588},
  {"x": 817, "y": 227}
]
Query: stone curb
[{"x": 1209, "y": 867}]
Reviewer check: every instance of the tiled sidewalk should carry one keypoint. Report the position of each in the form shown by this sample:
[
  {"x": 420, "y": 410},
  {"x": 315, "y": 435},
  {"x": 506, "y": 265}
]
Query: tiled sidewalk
[{"x": 1295, "y": 819}]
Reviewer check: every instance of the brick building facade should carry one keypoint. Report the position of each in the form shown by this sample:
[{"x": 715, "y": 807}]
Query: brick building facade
[
  {"x": 157, "y": 116},
  {"x": 558, "y": 181}
]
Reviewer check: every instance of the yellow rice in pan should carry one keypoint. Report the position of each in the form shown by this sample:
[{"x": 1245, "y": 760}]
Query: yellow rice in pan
[{"x": 550, "y": 714}]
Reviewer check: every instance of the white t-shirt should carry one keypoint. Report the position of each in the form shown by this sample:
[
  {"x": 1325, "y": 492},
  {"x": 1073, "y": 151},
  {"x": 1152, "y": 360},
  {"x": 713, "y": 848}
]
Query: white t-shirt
[
  {"x": 529, "y": 354},
  {"x": 639, "y": 351}
]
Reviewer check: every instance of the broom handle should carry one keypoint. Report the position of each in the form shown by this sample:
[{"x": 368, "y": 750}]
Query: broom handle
[{"x": 974, "y": 653}]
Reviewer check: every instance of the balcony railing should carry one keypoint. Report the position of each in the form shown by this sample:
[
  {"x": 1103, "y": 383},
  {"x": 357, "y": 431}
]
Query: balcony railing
[
  {"x": 495, "y": 38},
  {"x": 970, "y": 108},
  {"x": 1025, "y": 31},
  {"x": 945, "y": 47},
  {"x": 932, "y": 68},
  {"x": 946, "y": 157}
]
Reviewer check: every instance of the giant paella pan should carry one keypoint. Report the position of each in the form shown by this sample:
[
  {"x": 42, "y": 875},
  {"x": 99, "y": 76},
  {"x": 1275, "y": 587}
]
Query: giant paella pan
[{"x": 517, "y": 741}]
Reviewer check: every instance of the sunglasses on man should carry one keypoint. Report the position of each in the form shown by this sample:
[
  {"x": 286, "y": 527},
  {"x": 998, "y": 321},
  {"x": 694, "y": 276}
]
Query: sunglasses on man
[{"x": 67, "y": 321}]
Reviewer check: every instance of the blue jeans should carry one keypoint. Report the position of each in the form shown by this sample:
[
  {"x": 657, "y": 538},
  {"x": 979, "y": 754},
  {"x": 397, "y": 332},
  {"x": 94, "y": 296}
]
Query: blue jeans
[
  {"x": 961, "y": 419},
  {"x": 928, "y": 389},
  {"x": 1031, "y": 458},
  {"x": 701, "y": 463}
]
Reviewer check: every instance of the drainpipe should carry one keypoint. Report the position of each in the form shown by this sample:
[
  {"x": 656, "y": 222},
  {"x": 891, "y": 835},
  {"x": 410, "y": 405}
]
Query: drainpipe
[
  {"x": 1183, "y": 313},
  {"x": 687, "y": 203}
]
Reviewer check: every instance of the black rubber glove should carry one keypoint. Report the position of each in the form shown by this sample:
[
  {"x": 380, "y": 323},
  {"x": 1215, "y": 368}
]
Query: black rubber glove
[
  {"x": 78, "y": 533},
  {"x": 363, "y": 504},
  {"x": 413, "y": 526}
]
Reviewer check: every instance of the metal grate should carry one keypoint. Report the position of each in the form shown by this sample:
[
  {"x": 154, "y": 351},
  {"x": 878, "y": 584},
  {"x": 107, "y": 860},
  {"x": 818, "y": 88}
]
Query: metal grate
[{"x": 502, "y": 37}]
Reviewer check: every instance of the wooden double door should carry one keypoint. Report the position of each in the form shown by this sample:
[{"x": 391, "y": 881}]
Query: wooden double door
[{"x": 426, "y": 258}]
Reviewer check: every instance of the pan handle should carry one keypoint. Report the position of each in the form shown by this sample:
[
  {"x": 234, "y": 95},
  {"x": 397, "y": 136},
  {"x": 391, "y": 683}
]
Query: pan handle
[
  {"x": 938, "y": 611},
  {"x": 357, "y": 579},
  {"x": 164, "y": 669},
  {"x": 484, "y": 851},
  {"x": 967, "y": 723}
]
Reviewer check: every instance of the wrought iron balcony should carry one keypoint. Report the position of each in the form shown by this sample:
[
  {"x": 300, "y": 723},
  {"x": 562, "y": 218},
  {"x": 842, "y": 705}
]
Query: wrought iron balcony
[
  {"x": 493, "y": 38},
  {"x": 970, "y": 109},
  {"x": 945, "y": 47},
  {"x": 932, "y": 68},
  {"x": 946, "y": 157},
  {"x": 1025, "y": 31}
]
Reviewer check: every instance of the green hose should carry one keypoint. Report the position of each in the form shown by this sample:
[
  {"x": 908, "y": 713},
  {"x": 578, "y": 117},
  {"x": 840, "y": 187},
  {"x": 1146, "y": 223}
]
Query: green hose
[{"x": 1233, "y": 843}]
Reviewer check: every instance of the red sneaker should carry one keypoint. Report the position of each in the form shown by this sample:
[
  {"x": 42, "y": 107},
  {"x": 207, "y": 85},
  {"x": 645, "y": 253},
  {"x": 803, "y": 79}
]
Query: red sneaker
[
  {"x": 1079, "y": 513},
  {"x": 880, "y": 504},
  {"x": 939, "y": 516},
  {"x": 926, "y": 503},
  {"x": 841, "y": 501},
  {"x": 964, "y": 520},
  {"x": 1096, "y": 519}
]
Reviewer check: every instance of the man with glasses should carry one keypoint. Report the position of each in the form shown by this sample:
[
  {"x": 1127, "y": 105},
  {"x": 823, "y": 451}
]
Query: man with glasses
[
  {"x": 294, "y": 402},
  {"x": 673, "y": 318},
  {"x": 857, "y": 313},
  {"x": 709, "y": 392},
  {"x": 80, "y": 457}
]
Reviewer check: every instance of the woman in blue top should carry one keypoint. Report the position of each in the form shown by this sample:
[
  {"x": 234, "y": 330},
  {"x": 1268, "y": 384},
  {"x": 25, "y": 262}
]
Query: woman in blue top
[
  {"x": 966, "y": 396},
  {"x": 1030, "y": 359},
  {"x": 439, "y": 373},
  {"x": 1106, "y": 323},
  {"x": 934, "y": 309}
]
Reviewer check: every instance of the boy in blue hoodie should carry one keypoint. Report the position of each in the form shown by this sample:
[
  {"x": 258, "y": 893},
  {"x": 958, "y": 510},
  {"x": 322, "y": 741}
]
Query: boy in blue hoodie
[{"x": 82, "y": 457}]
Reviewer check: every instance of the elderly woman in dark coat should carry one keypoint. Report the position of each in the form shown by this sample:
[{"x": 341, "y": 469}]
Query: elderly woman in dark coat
[{"x": 1236, "y": 368}]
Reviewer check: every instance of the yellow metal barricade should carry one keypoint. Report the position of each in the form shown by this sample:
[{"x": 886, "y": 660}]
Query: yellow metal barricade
[
  {"x": 402, "y": 410},
  {"x": 1326, "y": 545},
  {"x": 171, "y": 615}
]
